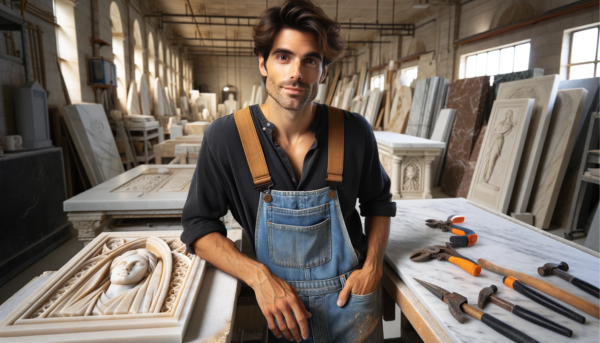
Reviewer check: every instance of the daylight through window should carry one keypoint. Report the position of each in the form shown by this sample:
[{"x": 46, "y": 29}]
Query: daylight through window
[
  {"x": 500, "y": 61},
  {"x": 584, "y": 55}
]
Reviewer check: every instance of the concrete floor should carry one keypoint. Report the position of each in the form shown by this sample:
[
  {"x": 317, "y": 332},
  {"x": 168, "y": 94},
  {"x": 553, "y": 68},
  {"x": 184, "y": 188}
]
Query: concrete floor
[{"x": 61, "y": 255}]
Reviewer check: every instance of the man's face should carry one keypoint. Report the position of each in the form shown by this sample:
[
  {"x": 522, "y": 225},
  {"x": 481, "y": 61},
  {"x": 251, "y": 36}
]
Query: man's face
[{"x": 293, "y": 69}]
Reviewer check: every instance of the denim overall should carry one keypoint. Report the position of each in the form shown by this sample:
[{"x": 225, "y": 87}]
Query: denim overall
[{"x": 302, "y": 238}]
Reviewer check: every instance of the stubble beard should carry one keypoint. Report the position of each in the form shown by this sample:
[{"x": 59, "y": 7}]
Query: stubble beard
[{"x": 293, "y": 103}]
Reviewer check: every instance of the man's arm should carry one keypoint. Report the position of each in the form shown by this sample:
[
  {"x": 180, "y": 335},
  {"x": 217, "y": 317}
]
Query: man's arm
[
  {"x": 277, "y": 299},
  {"x": 365, "y": 280}
]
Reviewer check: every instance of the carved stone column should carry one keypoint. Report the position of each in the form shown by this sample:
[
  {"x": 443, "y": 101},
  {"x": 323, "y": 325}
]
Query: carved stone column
[
  {"x": 428, "y": 177},
  {"x": 396, "y": 177},
  {"x": 88, "y": 224}
]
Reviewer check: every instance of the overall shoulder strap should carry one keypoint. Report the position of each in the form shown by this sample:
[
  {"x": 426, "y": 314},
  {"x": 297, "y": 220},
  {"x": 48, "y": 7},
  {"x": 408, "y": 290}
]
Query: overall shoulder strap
[
  {"x": 253, "y": 149},
  {"x": 335, "y": 158}
]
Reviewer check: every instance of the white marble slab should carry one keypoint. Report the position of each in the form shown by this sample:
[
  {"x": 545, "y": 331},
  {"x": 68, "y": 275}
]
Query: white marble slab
[
  {"x": 95, "y": 143},
  {"x": 196, "y": 128},
  {"x": 441, "y": 133},
  {"x": 118, "y": 194},
  {"x": 558, "y": 147},
  {"x": 213, "y": 314},
  {"x": 398, "y": 140},
  {"x": 211, "y": 103},
  {"x": 373, "y": 105},
  {"x": 500, "y": 154},
  {"x": 47, "y": 315},
  {"x": 543, "y": 89},
  {"x": 159, "y": 99},
  {"x": 133, "y": 100},
  {"x": 501, "y": 241},
  {"x": 144, "y": 92},
  {"x": 426, "y": 66}
]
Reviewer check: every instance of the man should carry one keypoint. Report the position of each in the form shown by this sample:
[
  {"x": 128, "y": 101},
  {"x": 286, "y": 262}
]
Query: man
[{"x": 291, "y": 171}]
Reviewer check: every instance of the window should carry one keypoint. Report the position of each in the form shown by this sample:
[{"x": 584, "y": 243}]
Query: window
[
  {"x": 499, "y": 61},
  {"x": 408, "y": 75},
  {"x": 377, "y": 82},
  {"x": 584, "y": 55}
]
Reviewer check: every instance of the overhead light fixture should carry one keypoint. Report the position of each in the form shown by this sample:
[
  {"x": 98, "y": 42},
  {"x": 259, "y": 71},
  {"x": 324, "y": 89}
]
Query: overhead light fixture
[
  {"x": 421, "y": 5},
  {"x": 225, "y": 89}
]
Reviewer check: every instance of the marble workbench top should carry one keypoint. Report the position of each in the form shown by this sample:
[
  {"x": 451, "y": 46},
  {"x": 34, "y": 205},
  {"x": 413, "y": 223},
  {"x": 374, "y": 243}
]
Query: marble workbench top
[
  {"x": 501, "y": 241},
  {"x": 398, "y": 140},
  {"x": 104, "y": 198}
]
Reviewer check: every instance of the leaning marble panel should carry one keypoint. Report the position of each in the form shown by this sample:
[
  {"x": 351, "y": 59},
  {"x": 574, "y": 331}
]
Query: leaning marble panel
[
  {"x": 500, "y": 154},
  {"x": 124, "y": 287}
]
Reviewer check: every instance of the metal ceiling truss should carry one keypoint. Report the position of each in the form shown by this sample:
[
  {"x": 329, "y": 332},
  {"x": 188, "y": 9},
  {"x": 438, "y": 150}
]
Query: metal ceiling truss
[{"x": 248, "y": 21}]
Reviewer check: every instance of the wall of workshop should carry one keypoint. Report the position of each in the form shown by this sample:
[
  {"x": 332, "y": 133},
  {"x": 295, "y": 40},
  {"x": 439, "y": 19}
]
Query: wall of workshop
[
  {"x": 216, "y": 72},
  {"x": 549, "y": 39},
  {"x": 90, "y": 18}
]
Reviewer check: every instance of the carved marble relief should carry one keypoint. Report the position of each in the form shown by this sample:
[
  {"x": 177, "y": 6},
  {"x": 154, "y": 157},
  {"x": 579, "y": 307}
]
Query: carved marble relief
[
  {"x": 411, "y": 182},
  {"x": 386, "y": 162},
  {"x": 142, "y": 183},
  {"x": 176, "y": 180},
  {"x": 146, "y": 279},
  {"x": 494, "y": 149}
]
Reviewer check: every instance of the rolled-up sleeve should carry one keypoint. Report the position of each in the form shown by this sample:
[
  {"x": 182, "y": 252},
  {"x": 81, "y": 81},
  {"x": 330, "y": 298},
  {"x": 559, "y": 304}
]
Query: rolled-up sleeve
[
  {"x": 374, "y": 190},
  {"x": 206, "y": 202}
]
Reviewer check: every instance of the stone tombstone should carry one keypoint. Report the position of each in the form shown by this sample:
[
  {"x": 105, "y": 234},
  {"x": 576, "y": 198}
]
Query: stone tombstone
[
  {"x": 543, "y": 89},
  {"x": 468, "y": 97},
  {"x": 558, "y": 146},
  {"x": 426, "y": 66},
  {"x": 144, "y": 93},
  {"x": 401, "y": 106},
  {"x": 501, "y": 78},
  {"x": 500, "y": 154},
  {"x": 373, "y": 105},
  {"x": 231, "y": 105},
  {"x": 133, "y": 100},
  {"x": 31, "y": 112},
  {"x": 159, "y": 99},
  {"x": 567, "y": 190},
  {"x": 118, "y": 288},
  {"x": 220, "y": 110}
]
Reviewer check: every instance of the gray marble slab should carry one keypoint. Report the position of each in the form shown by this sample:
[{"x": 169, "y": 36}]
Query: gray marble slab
[
  {"x": 419, "y": 101},
  {"x": 502, "y": 241},
  {"x": 441, "y": 133}
]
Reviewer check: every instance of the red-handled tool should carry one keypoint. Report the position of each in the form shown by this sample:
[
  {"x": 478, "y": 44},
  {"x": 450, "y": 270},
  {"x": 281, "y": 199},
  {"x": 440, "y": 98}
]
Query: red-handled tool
[
  {"x": 446, "y": 253},
  {"x": 466, "y": 237}
]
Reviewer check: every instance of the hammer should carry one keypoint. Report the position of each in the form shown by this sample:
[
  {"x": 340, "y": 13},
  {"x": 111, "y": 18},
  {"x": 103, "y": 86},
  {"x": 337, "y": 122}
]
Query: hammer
[
  {"x": 560, "y": 270},
  {"x": 487, "y": 294}
]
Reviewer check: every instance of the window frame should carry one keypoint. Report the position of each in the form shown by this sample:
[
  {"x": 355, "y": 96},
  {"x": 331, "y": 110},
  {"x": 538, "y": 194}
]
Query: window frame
[
  {"x": 463, "y": 58},
  {"x": 595, "y": 61}
]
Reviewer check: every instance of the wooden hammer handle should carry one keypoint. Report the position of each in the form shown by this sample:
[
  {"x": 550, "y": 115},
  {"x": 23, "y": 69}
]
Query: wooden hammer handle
[{"x": 545, "y": 287}]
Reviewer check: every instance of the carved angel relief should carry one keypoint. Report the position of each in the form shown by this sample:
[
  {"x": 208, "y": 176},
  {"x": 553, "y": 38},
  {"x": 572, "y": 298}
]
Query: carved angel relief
[
  {"x": 142, "y": 275},
  {"x": 411, "y": 180}
]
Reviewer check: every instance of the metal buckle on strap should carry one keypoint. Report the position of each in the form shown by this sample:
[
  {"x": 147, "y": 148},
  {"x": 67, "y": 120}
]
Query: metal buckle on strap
[
  {"x": 333, "y": 184},
  {"x": 264, "y": 187}
]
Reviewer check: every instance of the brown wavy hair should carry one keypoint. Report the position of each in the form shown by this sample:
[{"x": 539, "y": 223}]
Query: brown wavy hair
[{"x": 301, "y": 15}]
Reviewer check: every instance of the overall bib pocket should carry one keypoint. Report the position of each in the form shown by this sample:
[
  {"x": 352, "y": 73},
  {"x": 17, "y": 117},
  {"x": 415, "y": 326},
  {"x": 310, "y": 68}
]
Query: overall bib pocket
[{"x": 300, "y": 246}]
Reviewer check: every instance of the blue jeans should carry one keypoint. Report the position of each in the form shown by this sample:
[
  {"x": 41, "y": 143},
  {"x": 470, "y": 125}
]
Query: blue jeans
[{"x": 302, "y": 238}]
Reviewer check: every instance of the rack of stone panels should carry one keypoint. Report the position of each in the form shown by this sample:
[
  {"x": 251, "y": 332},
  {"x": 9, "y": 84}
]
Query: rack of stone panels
[
  {"x": 144, "y": 139},
  {"x": 10, "y": 22}
]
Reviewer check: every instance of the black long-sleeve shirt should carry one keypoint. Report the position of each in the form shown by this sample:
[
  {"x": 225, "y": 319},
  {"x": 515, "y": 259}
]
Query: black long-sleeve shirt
[{"x": 222, "y": 178}]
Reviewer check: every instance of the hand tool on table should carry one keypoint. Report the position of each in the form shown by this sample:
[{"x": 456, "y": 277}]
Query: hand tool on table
[
  {"x": 545, "y": 287},
  {"x": 458, "y": 306},
  {"x": 446, "y": 253},
  {"x": 466, "y": 237},
  {"x": 487, "y": 295},
  {"x": 542, "y": 299},
  {"x": 560, "y": 270}
]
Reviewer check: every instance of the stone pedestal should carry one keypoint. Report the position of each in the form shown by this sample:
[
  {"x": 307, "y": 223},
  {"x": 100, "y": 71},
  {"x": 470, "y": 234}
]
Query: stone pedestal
[{"x": 407, "y": 160}]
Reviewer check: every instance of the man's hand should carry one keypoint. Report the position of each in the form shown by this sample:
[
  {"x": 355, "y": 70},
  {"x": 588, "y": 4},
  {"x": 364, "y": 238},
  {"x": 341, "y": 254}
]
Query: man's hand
[
  {"x": 279, "y": 301},
  {"x": 361, "y": 281}
]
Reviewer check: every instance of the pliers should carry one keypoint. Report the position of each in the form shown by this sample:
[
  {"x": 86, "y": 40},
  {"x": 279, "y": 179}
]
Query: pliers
[
  {"x": 446, "y": 253},
  {"x": 466, "y": 237}
]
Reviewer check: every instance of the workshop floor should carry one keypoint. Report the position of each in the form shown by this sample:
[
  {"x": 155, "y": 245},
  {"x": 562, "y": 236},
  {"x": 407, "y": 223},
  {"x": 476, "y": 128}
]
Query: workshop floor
[{"x": 61, "y": 255}]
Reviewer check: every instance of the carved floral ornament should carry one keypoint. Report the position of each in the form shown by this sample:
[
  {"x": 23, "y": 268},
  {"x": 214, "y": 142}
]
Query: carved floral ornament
[{"x": 130, "y": 278}]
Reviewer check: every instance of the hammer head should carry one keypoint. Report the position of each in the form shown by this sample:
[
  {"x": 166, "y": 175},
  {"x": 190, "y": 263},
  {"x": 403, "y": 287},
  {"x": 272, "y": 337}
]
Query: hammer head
[
  {"x": 548, "y": 267},
  {"x": 485, "y": 294}
]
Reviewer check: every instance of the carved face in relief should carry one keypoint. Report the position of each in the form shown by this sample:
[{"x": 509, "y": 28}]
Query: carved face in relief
[
  {"x": 131, "y": 267},
  {"x": 410, "y": 172}
]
